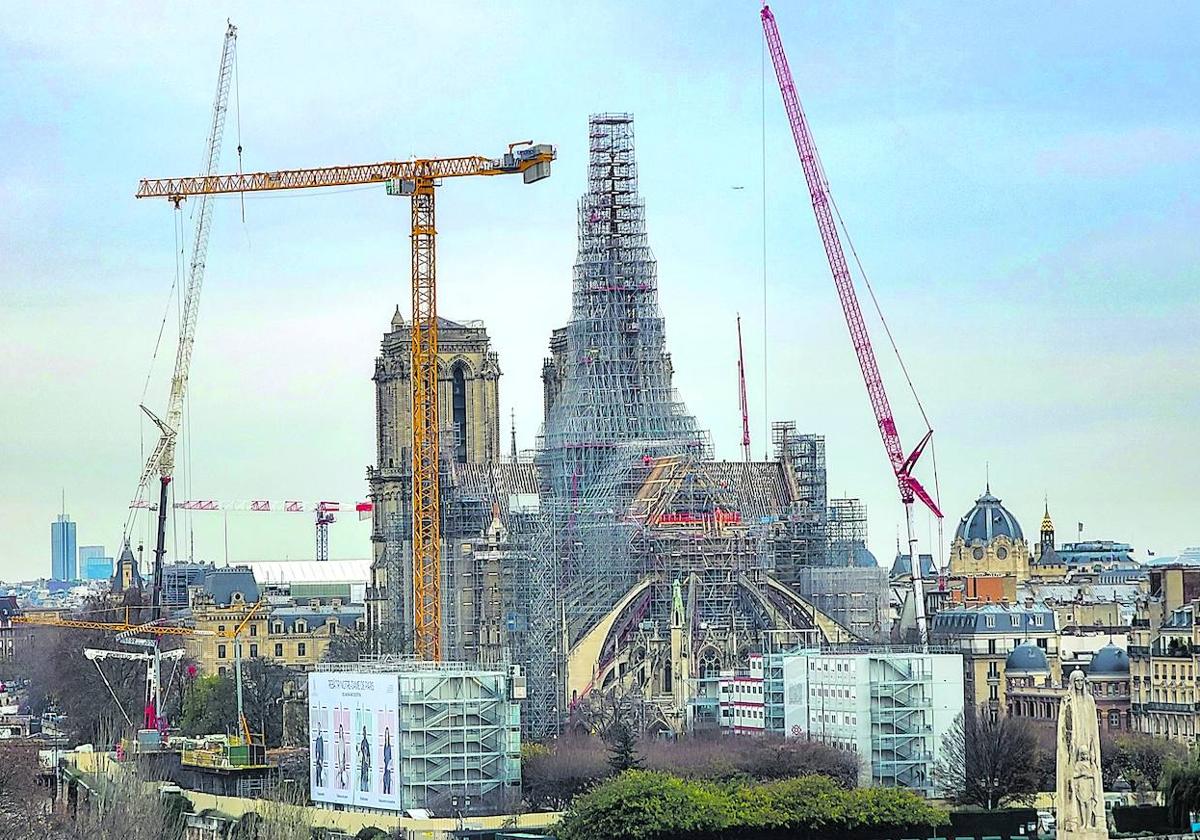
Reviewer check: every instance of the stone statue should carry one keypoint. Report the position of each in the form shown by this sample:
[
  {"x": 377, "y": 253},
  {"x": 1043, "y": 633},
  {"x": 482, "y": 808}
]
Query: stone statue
[{"x": 1080, "y": 789}]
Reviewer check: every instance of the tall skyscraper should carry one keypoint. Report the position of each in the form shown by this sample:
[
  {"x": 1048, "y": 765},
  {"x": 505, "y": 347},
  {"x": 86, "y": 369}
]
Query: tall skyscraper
[{"x": 62, "y": 549}]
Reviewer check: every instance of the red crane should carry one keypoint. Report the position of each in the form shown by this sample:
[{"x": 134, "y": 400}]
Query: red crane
[
  {"x": 742, "y": 402},
  {"x": 822, "y": 203}
]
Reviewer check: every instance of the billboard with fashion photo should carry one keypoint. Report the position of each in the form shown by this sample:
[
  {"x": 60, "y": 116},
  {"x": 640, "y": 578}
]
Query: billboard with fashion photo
[{"x": 353, "y": 722}]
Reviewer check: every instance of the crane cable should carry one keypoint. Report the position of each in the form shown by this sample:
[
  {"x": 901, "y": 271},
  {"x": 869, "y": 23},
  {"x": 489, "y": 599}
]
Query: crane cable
[
  {"x": 937, "y": 492},
  {"x": 177, "y": 231},
  {"x": 115, "y": 698},
  {"x": 766, "y": 412},
  {"x": 237, "y": 99},
  {"x": 878, "y": 310}
]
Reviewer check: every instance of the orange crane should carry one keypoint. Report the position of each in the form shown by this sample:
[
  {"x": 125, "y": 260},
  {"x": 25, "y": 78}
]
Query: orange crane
[{"x": 416, "y": 179}]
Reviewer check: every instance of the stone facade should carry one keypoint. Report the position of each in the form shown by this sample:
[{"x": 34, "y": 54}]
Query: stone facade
[
  {"x": 469, "y": 416},
  {"x": 986, "y": 635},
  {"x": 1164, "y": 656},
  {"x": 293, "y": 635}
]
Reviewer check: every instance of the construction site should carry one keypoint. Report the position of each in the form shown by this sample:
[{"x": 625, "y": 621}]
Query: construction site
[
  {"x": 621, "y": 565},
  {"x": 615, "y": 574}
]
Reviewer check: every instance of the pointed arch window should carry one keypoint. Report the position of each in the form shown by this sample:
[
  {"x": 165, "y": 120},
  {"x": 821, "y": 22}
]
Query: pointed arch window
[{"x": 458, "y": 412}]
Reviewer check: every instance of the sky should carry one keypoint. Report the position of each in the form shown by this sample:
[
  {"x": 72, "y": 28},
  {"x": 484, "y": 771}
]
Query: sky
[{"x": 1019, "y": 181}]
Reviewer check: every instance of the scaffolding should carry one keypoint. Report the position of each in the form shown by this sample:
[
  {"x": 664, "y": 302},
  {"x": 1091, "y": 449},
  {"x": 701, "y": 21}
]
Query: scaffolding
[
  {"x": 458, "y": 741},
  {"x": 902, "y": 734},
  {"x": 855, "y": 597},
  {"x": 847, "y": 530},
  {"x": 613, "y": 412},
  {"x": 803, "y": 541}
]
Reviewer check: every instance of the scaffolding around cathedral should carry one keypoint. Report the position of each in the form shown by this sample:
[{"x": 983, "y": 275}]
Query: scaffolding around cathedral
[
  {"x": 847, "y": 531},
  {"x": 611, "y": 412}
]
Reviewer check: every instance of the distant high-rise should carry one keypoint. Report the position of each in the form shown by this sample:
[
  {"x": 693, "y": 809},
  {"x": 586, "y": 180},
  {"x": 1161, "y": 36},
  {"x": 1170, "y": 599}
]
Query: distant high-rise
[
  {"x": 94, "y": 564},
  {"x": 62, "y": 549}
]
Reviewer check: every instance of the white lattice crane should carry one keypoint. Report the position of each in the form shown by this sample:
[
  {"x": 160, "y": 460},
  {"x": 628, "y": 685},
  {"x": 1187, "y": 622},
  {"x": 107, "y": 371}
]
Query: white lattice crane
[{"x": 162, "y": 459}]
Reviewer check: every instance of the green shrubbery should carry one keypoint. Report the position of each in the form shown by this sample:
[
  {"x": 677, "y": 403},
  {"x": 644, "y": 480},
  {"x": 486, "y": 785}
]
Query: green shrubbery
[{"x": 641, "y": 805}]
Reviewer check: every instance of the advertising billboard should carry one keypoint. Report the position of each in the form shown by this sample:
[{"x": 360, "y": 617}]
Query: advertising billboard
[{"x": 353, "y": 731}]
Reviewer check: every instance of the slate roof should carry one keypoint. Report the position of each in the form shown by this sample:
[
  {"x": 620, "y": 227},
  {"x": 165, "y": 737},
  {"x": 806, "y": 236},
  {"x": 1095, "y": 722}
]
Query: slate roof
[
  {"x": 1110, "y": 660},
  {"x": 1005, "y": 619},
  {"x": 222, "y": 583},
  {"x": 1027, "y": 658},
  {"x": 314, "y": 617},
  {"x": 987, "y": 520}
]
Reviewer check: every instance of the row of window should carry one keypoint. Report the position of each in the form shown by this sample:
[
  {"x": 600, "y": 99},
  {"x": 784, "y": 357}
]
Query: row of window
[
  {"x": 301, "y": 650},
  {"x": 1049, "y": 711},
  {"x": 300, "y": 626},
  {"x": 835, "y": 691},
  {"x": 1160, "y": 671},
  {"x": 1036, "y": 620},
  {"x": 827, "y": 665}
]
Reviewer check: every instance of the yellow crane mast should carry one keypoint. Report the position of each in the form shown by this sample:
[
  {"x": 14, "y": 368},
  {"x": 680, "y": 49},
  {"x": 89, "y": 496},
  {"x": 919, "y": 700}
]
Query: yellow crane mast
[{"x": 416, "y": 179}]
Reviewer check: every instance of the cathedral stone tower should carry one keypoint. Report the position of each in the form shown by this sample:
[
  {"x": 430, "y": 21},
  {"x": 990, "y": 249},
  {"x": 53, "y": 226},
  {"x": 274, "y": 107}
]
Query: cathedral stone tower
[{"x": 469, "y": 406}]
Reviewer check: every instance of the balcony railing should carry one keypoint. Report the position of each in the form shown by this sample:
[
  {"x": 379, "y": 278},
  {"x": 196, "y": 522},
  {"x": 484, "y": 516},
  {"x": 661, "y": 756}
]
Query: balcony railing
[{"x": 1166, "y": 707}]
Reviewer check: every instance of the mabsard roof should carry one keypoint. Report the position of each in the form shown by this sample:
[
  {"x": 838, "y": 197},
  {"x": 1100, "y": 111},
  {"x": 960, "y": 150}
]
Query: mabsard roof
[
  {"x": 987, "y": 520},
  {"x": 223, "y": 583}
]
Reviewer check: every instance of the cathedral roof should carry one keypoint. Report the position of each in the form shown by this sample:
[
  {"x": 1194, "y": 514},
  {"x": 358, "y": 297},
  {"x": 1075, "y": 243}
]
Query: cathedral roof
[
  {"x": 902, "y": 566},
  {"x": 987, "y": 520}
]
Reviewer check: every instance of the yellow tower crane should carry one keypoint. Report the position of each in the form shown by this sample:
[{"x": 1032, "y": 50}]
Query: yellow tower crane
[{"x": 416, "y": 179}]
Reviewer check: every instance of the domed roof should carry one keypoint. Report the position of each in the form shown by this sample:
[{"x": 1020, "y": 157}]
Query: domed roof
[
  {"x": 987, "y": 520},
  {"x": 1027, "y": 658},
  {"x": 1110, "y": 660}
]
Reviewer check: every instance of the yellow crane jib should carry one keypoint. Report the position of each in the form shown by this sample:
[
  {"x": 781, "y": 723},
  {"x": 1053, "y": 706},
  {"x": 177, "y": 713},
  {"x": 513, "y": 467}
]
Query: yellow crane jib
[
  {"x": 533, "y": 162},
  {"x": 415, "y": 179}
]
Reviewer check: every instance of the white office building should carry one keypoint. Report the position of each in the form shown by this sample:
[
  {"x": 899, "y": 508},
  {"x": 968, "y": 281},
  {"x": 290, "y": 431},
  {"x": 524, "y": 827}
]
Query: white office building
[
  {"x": 740, "y": 701},
  {"x": 891, "y": 708}
]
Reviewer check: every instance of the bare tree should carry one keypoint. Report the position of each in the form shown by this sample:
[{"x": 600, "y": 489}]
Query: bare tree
[
  {"x": 24, "y": 801},
  {"x": 989, "y": 762}
]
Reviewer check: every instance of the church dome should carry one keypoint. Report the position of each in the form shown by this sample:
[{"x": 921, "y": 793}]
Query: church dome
[
  {"x": 1027, "y": 658},
  {"x": 987, "y": 520},
  {"x": 1109, "y": 661}
]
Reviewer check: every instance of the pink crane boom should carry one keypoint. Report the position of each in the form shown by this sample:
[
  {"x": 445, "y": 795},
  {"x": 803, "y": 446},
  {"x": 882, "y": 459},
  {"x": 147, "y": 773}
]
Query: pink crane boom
[{"x": 818, "y": 189}]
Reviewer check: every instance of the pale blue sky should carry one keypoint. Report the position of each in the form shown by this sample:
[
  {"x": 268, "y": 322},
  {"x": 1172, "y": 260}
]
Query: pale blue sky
[{"x": 1020, "y": 180}]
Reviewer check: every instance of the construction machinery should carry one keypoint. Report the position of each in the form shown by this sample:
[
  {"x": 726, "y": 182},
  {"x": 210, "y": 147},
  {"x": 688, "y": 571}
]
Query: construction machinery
[
  {"x": 129, "y": 631},
  {"x": 162, "y": 459},
  {"x": 825, "y": 210},
  {"x": 325, "y": 512},
  {"x": 416, "y": 179},
  {"x": 135, "y": 633}
]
